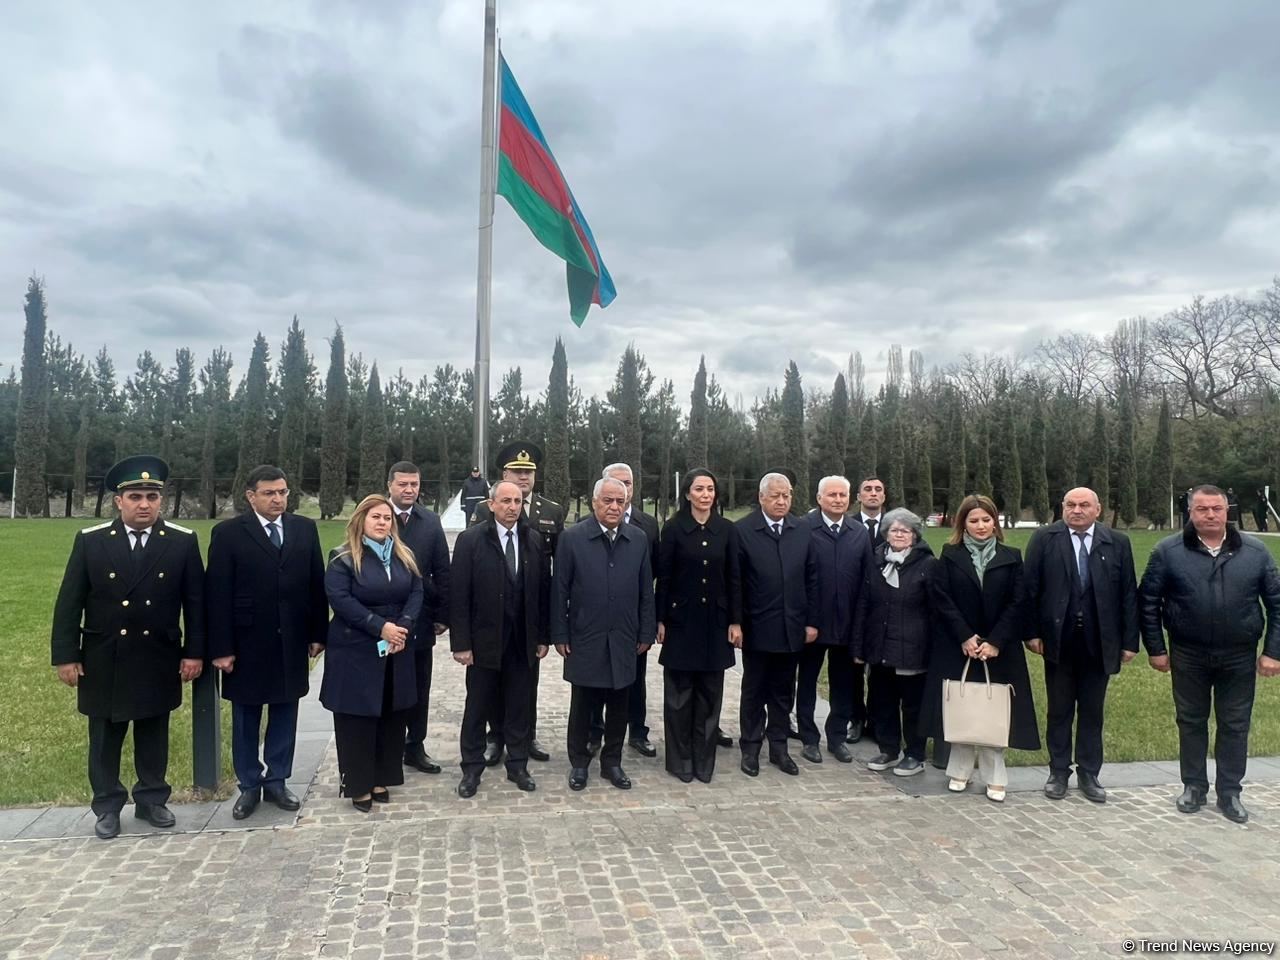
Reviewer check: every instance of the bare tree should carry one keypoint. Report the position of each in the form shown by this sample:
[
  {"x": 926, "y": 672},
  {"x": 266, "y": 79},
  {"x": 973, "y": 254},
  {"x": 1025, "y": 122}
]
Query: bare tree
[
  {"x": 1128, "y": 351},
  {"x": 1075, "y": 364},
  {"x": 976, "y": 378},
  {"x": 915, "y": 370},
  {"x": 1209, "y": 349},
  {"x": 1264, "y": 317},
  {"x": 894, "y": 373}
]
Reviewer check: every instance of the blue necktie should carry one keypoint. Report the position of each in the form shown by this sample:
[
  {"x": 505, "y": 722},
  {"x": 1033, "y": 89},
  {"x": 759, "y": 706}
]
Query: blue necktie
[
  {"x": 1082, "y": 561},
  {"x": 274, "y": 533}
]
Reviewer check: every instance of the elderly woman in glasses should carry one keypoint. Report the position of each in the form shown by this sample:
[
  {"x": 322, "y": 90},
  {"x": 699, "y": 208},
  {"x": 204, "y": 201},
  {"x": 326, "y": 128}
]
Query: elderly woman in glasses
[{"x": 895, "y": 639}]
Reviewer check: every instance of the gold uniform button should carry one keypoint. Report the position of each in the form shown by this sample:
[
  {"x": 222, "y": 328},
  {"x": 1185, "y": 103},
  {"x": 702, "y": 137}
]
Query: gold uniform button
[
  {"x": 704, "y": 543},
  {"x": 162, "y": 576},
  {"x": 146, "y": 633},
  {"x": 148, "y": 603},
  {"x": 124, "y": 632},
  {"x": 704, "y": 599},
  {"x": 124, "y": 603},
  {"x": 705, "y": 562},
  {"x": 111, "y": 576},
  {"x": 704, "y": 579}
]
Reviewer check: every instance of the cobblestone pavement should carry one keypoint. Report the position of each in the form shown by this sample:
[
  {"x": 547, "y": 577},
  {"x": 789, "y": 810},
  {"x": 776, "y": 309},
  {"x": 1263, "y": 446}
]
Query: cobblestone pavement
[{"x": 833, "y": 863}]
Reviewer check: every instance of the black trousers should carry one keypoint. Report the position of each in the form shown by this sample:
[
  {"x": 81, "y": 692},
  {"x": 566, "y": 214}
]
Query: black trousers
[
  {"x": 1076, "y": 688},
  {"x": 691, "y": 720},
  {"x": 637, "y": 706},
  {"x": 1226, "y": 680},
  {"x": 583, "y": 701},
  {"x": 416, "y": 733},
  {"x": 371, "y": 749},
  {"x": 150, "y": 762},
  {"x": 508, "y": 687},
  {"x": 498, "y": 712},
  {"x": 893, "y": 702},
  {"x": 840, "y": 683},
  {"x": 768, "y": 689}
]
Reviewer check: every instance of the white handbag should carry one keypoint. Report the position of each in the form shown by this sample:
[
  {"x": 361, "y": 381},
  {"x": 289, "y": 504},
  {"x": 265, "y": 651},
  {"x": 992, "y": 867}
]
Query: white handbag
[{"x": 976, "y": 713}]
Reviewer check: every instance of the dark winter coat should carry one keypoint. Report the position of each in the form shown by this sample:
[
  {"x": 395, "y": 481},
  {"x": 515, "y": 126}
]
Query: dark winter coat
[
  {"x": 424, "y": 535},
  {"x": 779, "y": 583},
  {"x": 898, "y": 625},
  {"x": 841, "y": 565},
  {"x": 699, "y": 592}
]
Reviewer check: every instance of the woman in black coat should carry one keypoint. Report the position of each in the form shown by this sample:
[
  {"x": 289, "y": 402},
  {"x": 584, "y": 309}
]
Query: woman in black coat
[
  {"x": 895, "y": 640},
  {"x": 375, "y": 589},
  {"x": 976, "y": 590},
  {"x": 699, "y": 604}
]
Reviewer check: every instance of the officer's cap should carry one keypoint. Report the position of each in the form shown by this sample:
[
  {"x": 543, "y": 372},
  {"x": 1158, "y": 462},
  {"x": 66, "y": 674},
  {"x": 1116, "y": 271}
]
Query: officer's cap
[
  {"x": 140, "y": 472},
  {"x": 520, "y": 455}
]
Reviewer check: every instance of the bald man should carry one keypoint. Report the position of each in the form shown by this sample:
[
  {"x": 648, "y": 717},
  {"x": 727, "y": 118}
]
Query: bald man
[{"x": 1082, "y": 616}]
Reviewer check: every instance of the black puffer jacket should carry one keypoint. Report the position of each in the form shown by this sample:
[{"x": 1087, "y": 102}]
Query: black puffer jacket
[
  {"x": 1207, "y": 601},
  {"x": 898, "y": 626}
]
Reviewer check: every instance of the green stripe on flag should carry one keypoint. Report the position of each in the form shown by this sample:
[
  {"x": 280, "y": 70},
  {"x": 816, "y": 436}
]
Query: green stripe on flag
[{"x": 552, "y": 228}]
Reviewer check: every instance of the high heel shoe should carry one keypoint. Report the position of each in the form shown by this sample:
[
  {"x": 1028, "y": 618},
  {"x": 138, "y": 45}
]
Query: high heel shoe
[
  {"x": 365, "y": 805},
  {"x": 380, "y": 796}
]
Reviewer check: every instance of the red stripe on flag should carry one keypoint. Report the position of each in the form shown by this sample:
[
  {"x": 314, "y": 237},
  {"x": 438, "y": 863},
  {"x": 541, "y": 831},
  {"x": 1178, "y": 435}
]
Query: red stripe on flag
[{"x": 534, "y": 165}]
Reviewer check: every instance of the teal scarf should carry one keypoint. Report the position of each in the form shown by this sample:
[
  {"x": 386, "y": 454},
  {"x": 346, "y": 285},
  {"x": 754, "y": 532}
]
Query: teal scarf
[
  {"x": 382, "y": 551},
  {"x": 981, "y": 551}
]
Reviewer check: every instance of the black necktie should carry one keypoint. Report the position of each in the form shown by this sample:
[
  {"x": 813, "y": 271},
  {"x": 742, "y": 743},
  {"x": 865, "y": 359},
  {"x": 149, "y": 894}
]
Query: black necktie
[
  {"x": 511, "y": 553},
  {"x": 403, "y": 519},
  {"x": 273, "y": 533},
  {"x": 871, "y": 527},
  {"x": 1082, "y": 561},
  {"x": 777, "y": 529},
  {"x": 835, "y": 529},
  {"x": 138, "y": 548}
]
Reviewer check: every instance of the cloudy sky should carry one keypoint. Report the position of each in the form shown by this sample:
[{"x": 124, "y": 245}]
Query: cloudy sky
[{"x": 766, "y": 180}]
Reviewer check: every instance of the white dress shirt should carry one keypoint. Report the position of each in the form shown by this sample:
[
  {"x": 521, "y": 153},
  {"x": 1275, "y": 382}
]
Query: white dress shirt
[
  {"x": 509, "y": 532},
  {"x": 279, "y": 522}
]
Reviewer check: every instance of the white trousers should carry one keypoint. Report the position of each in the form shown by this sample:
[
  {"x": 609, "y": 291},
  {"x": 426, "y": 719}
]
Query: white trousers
[{"x": 990, "y": 764}]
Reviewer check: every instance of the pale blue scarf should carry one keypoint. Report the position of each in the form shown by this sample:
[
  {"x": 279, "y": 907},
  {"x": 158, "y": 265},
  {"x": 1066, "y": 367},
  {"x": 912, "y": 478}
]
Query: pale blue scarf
[{"x": 383, "y": 551}]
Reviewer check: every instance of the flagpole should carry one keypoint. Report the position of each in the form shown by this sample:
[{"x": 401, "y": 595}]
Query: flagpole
[{"x": 484, "y": 269}]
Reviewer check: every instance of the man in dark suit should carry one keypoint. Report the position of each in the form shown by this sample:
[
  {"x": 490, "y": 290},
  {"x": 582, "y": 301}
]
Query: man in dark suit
[
  {"x": 602, "y": 615},
  {"x": 474, "y": 492},
  {"x": 1082, "y": 603},
  {"x": 519, "y": 462},
  {"x": 841, "y": 558},
  {"x": 267, "y": 612},
  {"x": 638, "y": 729},
  {"x": 499, "y": 598},
  {"x": 420, "y": 530},
  {"x": 871, "y": 499},
  {"x": 779, "y": 602},
  {"x": 116, "y": 638}
]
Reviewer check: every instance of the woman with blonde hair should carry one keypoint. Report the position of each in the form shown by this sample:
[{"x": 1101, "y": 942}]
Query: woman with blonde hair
[
  {"x": 376, "y": 592},
  {"x": 975, "y": 590}
]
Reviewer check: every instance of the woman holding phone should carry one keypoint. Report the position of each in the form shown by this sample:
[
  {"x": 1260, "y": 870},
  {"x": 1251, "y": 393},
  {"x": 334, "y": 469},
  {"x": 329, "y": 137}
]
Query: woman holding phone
[{"x": 376, "y": 592}]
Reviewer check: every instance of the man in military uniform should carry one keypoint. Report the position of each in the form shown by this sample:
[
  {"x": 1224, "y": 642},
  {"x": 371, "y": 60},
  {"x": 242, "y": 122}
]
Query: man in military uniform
[
  {"x": 116, "y": 638},
  {"x": 519, "y": 462}
]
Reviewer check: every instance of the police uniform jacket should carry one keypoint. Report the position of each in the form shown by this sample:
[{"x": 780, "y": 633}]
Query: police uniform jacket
[
  {"x": 121, "y": 621},
  {"x": 699, "y": 592},
  {"x": 266, "y": 605}
]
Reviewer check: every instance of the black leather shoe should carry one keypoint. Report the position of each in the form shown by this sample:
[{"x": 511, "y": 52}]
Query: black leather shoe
[
  {"x": 855, "y": 732},
  {"x": 416, "y": 757},
  {"x": 522, "y": 780},
  {"x": 468, "y": 786},
  {"x": 536, "y": 752},
  {"x": 284, "y": 798},
  {"x": 158, "y": 815},
  {"x": 750, "y": 765},
  {"x": 723, "y": 739},
  {"x": 704, "y": 776},
  {"x": 840, "y": 752},
  {"x": 108, "y": 826},
  {"x": 1233, "y": 809},
  {"x": 683, "y": 777},
  {"x": 1192, "y": 799},
  {"x": 578, "y": 778},
  {"x": 1090, "y": 787},
  {"x": 811, "y": 753},
  {"x": 492, "y": 754},
  {"x": 644, "y": 748},
  {"x": 1055, "y": 788},
  {"x": 380, "y": 796},
  {"x": 618, "y": 777},
  {"x": 784, "y": 763},
  {"x": 246, "y": 803},
  {"x": 364, "y": 806}
]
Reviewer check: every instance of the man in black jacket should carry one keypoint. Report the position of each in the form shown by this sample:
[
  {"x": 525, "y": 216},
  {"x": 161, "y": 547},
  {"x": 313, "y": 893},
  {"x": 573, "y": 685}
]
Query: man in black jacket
[
  {"x": 498, "y": 618},
  {"x": 1082, "y": 600},
  {"x": 420, "y": 530},
  {"x": 116, "y": 638},
  {"x": 264, "y": 590},
  {"x": 1207, "y": 587},
  {"x": 779, "y": 599},
  {"x": 474, "y": 492}
]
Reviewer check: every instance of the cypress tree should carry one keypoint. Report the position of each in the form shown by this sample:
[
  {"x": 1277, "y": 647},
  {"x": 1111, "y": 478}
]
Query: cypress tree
[
  {"x": 1160, "y": 476},
  {"x": 373, "y": 440},
  {"x": 1038, "y": 477},
  {"x": 555, "y": 475},
  {"x": 866, "y": 447},
  {"x": 295, "y": 364},
  {"x": 982, "y": 449},
  {"x": 697, "y": 453},
  {"x": 333, "y": 437},
  {"x": 31, "y": 438},
  {"x": 957, "y": 469},
  {"x": 895, "y": 459},
  {"x": 627, "y": 403},
  {"x": 253, "y": 420},
  {"x": 216, "y": 378},
  {"x": 1009, "y": 465},
  {"x": 595, "y": 445},
  {"x": 1126, "y": 458},
  {"x": 81, "y": 478},
  {"x": 835, "y": 439},
  {"x": 1098, "y": 475},
  {"x": 924, "y": 474},
  {"x": 793, "y": 438}
]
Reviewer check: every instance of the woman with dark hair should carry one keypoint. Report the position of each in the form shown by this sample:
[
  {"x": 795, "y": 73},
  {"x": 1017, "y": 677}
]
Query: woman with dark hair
[
  {"x": 376, "y": 592},
  {"x": 699, "y": 602},
  {"x": 976, "y": 589}
]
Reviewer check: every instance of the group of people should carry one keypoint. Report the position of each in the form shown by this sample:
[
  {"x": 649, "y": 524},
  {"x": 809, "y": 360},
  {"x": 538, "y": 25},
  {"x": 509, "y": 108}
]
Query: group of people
[{"x": 857, "y": 590}]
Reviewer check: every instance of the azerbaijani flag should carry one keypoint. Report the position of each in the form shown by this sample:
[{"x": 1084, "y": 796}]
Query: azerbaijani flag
[{"x": 530, "y": 179}]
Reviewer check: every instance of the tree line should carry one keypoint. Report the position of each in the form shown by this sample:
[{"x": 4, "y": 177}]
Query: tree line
[{"x": 1155, "y": 406}]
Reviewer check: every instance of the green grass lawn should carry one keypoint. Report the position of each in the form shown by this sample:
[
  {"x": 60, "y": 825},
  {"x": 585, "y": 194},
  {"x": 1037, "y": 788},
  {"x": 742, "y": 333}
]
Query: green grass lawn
[{"x": 42, "y": 751}]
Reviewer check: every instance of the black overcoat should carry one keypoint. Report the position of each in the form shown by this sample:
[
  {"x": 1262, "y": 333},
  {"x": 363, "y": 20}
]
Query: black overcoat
[
  {"x": 992, "y": 610},
  {"x": 1048, "y": 580},
  {"x": 841, "y": 564},
  {"x": 779, "y": 583},
  {"x": 650, "y": 527},
  {"x": 897, "y": 630},
  {"x": 602, "y": 603},
  {"x": 354, "y": 674},
  {"x": 699, "y": 592},
  {"x": 120, "y": 621},
  {"x": 265, "y": 606},
  {"x": 424, "y": 535},
  {"x": 479, "y": 591}
]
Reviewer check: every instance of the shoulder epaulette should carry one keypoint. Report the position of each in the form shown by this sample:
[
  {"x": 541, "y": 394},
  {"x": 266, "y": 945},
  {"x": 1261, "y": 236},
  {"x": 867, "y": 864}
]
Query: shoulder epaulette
[
  {"x": 100, "y": 526},
  {"x": 174, "y": 526}
]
